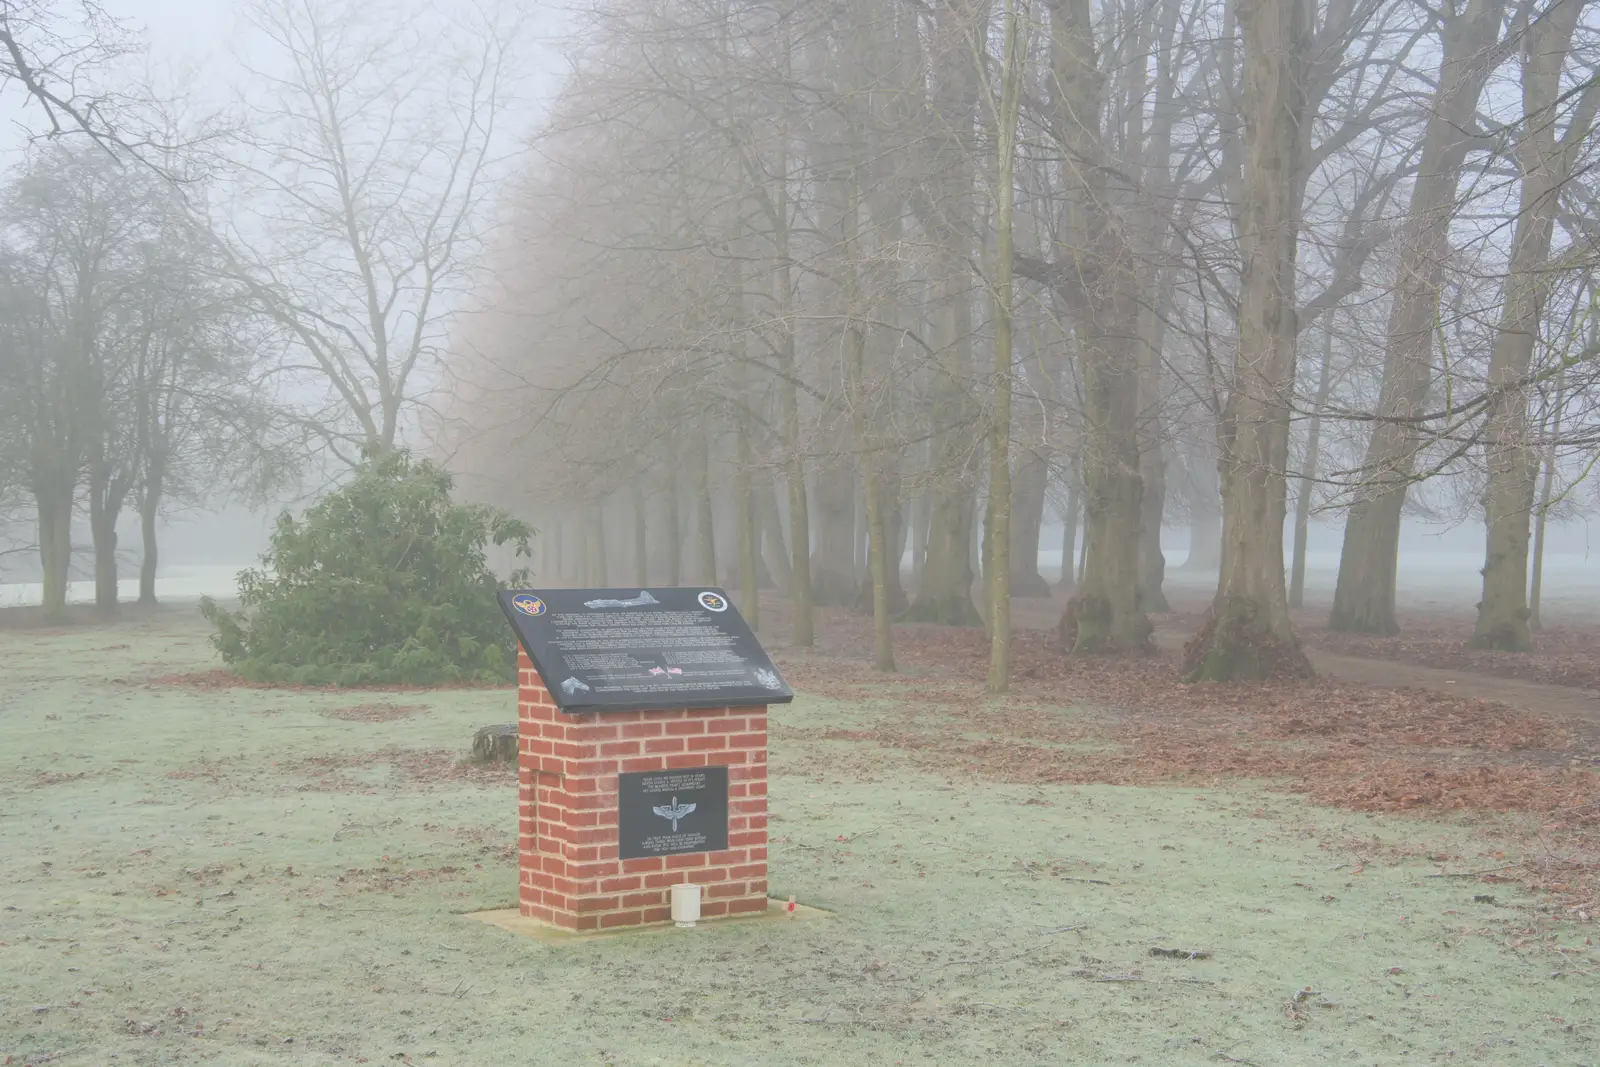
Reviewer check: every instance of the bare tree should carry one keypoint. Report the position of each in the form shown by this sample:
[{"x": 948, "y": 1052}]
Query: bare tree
[
  {"x": 1007, "y": 105},
  {"x": 1364, "y": 597},
  {"x": 199, "y": 427},
  {"x": 44, "y": 433},
  {"x": 78, "y": 223},
  {"x": 131, "y": 378},
  {"x": 946, "y": 212},
  {"x": 1095, "y": 272},
  {"x": 1248, "y": 633},
  {"x": 363, "y": 190},
  {"x": 51, "y": 50},
  {"x": 761, "y": 230},
  {"x": 1545, "y": 156}
]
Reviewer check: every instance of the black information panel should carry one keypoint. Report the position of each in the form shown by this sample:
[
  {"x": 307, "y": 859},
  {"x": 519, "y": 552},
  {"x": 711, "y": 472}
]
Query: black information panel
[
  {"x": 642, "y": 649},
  {"x": 661, "y": 813}
]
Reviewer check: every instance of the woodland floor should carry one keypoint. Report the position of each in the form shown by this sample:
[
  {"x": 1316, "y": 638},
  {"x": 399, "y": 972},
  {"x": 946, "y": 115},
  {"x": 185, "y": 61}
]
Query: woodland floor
[{"x": 1394, "y": 863}]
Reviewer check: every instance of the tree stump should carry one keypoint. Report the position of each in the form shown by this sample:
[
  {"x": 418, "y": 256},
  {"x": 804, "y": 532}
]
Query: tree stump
[{"x": 495, "y": 744}]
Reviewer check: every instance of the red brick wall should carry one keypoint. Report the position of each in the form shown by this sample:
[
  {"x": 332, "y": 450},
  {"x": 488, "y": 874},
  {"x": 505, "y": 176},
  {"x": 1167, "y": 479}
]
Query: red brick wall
[{"x": 567, "y": 799}]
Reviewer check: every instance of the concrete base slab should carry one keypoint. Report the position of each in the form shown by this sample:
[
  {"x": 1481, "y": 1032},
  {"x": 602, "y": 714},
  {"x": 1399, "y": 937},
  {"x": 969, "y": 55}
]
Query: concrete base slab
[{"x": 512, "y": 920}]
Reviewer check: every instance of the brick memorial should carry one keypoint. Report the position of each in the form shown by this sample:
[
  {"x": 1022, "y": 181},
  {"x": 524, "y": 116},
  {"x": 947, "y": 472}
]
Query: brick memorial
[{"x": 642, "y": 754}]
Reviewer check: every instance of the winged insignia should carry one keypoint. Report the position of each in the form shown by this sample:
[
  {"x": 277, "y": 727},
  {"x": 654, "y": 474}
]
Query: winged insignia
[{"x": 673, "y": 811}]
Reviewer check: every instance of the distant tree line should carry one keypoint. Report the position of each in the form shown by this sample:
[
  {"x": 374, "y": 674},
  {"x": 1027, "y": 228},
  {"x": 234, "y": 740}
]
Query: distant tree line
[
  {"x": 796, "y": 290},
  {"x": 125, "y": 362},
  {"x": 233, "y": 305}
]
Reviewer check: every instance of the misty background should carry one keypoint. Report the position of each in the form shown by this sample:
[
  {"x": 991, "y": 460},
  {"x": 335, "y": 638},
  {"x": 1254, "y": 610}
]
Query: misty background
[
  {"x": 191, "y": 52},
  {"x": 206, "y": 61}
]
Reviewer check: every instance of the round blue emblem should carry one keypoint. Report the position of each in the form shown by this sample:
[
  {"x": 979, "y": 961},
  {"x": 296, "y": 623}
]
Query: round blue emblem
[{"x": 528, "y": 605}]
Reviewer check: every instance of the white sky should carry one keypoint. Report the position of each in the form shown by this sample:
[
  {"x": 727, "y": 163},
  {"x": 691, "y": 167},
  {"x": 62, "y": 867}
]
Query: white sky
[
  {"x": 191, "y": 44},
  {"x": 180, "y": 34}
]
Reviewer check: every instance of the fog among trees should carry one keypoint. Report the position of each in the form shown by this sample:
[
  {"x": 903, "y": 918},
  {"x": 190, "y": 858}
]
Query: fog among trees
[{"x": 848, "y": 300}]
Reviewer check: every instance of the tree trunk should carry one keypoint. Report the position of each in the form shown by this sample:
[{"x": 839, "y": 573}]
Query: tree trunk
[
  {"x": 1308, "y": 473},
  {"x": 674, "y": 524},
  {"x": 944, "y": 595},
  {"x": 1149, "y": 133},
  {"x": 705, "y": 520},
  {"x": 1027, "y": 516},
  {"x": 1152, "y": 504},
  {"x": 147, "y": 534},
  {"x": 1536, "y": 586},
  {"x": 1152, "y": 448},
  {"x": 799, "y": 556},
  {"x": 774, "y": 553},
  {"x": 1364, "y": 599},
  {"x": 725, "y": 516},
  {"x": 496, "y": 744},
  {"x": 1152, "y": 561},
  {"x": 888, "y": 479},
  {"x": 1000, "y": 492},
  {"x": 1552, "y": 436},
  {"x": 557, "y": 530},
  {"x": 1247, "y": 634},
  {"x": 1068, "y": 579},
  {"x": 975, "y": 541},
  {"x": 914, "y": 511},
  {"x": 878, "y": 560},
  {"x": 55, "y": 549},
  {"x": 103, "y": 512},
  {"x": 1083, "y": 559},
  {"x": 764, "y": 579},
  {"x": 858, "y": 542},
  {"x": 585, "y": 549},
  {"x": 105, "y": 567},
  {"x": 641, "y": 538},
  {"x": 836, "y": 486},
  {"x": 1205, "y": 517},
  {"x": 595, "y": 573},
  {"x": 803, "y": 635},
  {"x": 894, "y": 509},
  {"x": 944, "y": 589},
  {"x": 918, "y": 520},
  {"x": 1104, "y": 615},
  {"x": 1545, "y": 164},
  {"x": 749, "y": 534},
  {"x": 833, "y": 573}
]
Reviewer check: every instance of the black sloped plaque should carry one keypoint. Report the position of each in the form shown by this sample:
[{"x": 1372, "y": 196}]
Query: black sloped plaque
[
  {"x": 663, "y": 813},
  {"x": 642, "y": 649}
]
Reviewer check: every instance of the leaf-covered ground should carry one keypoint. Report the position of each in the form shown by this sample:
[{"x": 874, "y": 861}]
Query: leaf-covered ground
[
  {"x": 1564, "y": 653},
  {"x": 245, "y": 875}
]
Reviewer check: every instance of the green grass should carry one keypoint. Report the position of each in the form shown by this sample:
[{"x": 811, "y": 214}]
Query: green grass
[{"x": 231, "y": 877}]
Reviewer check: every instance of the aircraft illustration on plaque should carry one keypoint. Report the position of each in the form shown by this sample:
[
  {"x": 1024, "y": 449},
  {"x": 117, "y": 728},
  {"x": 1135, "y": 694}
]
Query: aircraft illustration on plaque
[{"x": 644, "y": 598}]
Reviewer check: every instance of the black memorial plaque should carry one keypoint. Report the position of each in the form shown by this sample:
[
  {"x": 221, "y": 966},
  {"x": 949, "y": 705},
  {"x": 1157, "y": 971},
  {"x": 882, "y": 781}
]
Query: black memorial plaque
[
  {"x": 642, "y": 649},
  {"x": 663, "y": 813}
]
